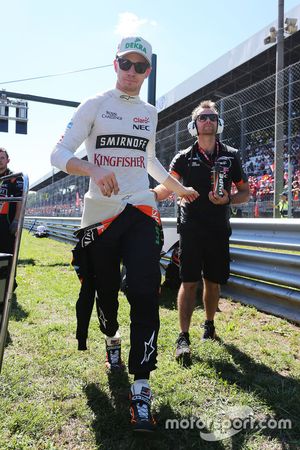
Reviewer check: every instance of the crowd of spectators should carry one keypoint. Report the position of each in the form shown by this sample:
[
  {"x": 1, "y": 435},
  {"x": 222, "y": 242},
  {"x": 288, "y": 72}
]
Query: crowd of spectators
[
  {"x": 61, "y": 210},
  {"x": 259, "y": 165}
]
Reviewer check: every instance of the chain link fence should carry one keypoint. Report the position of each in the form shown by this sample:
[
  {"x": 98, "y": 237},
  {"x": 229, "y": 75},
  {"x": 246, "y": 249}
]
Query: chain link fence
[{"x": 249, "y": 117}]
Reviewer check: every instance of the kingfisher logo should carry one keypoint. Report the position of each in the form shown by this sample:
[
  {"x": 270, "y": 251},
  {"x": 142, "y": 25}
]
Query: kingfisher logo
[{"x": 119, "y": 161}]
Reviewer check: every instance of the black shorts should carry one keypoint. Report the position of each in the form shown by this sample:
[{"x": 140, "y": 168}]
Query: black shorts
[{"x": 204, "y": 253}]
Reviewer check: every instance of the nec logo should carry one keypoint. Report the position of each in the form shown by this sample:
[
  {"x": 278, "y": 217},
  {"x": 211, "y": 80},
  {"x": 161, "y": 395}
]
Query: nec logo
[{"x": 141, "y": 127}]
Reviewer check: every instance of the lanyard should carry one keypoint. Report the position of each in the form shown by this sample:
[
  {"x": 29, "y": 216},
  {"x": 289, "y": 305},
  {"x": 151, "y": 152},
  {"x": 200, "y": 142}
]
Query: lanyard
[
  {"x": 203, "y": 152},
  {"x": 209, "y": 161}
]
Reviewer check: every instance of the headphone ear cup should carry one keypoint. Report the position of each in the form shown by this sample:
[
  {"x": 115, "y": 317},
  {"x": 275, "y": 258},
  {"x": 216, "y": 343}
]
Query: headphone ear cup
[
  {"x": 192, "y": 128},
  {"x": 220, "y": 126}
]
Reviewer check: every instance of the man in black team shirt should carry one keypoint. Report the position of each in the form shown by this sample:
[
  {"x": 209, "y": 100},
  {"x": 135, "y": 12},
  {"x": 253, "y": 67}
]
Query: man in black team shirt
[
  {"x": 209, "y": 167},
  {"x": 9, "y": 211}
]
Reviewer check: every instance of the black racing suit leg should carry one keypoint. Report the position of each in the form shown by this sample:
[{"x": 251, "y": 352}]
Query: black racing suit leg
[
  {"x": 141, "y": 247},
  {"x": 84, "y": 308},
  {"x": 104, "y": 258},
  {"x": 85, "y": 302}
]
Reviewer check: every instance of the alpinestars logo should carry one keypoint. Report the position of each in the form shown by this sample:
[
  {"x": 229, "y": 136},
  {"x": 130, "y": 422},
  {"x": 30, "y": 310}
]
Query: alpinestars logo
[
  {"x": 149, "y": 349},
  {"x": 122, "y": 141},
  {"x": 101, "y": 317},
  {"x": 87, "y": 238}
]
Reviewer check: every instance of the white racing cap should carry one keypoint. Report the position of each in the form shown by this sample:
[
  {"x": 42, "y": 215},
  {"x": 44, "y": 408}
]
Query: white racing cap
[{"x": 135, "y": 44}]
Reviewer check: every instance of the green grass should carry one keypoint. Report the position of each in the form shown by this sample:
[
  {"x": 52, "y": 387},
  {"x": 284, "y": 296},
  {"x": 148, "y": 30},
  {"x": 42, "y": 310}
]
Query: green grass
[{"x": 54, "y": 397}]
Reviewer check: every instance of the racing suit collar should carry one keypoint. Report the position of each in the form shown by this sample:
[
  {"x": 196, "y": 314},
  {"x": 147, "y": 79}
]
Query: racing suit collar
[{"x": 125, "y": 97}]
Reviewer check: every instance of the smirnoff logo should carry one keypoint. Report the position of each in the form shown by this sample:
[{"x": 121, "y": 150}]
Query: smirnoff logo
[{"x": 122, "y": 141}]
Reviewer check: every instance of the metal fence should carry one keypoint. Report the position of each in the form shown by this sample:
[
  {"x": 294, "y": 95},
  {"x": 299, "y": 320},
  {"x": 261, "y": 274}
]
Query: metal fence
[
  {"x": 263, "y": 271},
  {"x": 249, "y": 117}
]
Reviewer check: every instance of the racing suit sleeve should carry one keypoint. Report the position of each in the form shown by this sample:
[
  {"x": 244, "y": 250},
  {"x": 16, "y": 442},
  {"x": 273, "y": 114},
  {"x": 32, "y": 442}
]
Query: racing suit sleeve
[
  {"x": 76, "y": 132},
  {"x": 154, "y": 167}
]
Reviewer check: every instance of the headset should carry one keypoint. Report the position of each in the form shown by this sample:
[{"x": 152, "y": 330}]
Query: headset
[{"x": 194, "y": 132}]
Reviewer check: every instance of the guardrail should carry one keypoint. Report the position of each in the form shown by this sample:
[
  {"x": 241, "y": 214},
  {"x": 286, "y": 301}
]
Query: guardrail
[
  {"x": 267, "y": 276},
  {"x": 60, "y": 228}
]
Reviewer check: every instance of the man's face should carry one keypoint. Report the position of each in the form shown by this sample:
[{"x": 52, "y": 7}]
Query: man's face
[
  {"x": 129, "y": 81},
  {"x": 3, "y": 162},
  {"x": 207, "y": 122}
]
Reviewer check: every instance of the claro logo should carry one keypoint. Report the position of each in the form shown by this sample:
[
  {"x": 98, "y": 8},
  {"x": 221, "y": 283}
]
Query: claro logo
[
  {"x": 141, "y": 120},
  {"x": 140, "y": 123}
]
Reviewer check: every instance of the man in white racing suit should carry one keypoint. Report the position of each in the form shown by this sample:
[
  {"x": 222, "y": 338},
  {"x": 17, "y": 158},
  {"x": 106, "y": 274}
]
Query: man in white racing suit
[{"x": 120, "y": 219}]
